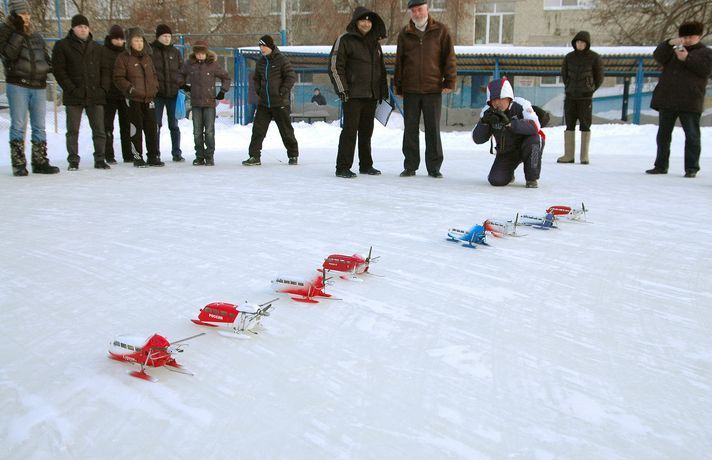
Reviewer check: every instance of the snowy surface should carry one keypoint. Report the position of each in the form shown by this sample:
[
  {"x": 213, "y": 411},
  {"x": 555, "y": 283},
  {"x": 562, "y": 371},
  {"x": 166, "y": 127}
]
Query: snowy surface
[{"x": 588, "y": 342}]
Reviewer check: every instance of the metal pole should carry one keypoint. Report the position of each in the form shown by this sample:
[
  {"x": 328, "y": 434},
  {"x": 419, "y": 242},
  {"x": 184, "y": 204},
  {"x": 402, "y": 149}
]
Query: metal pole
[
  {"x": 496, "y": 68},
  {"x": 7, "y": 10},
  {"x": 638, "y": 100},
  {"x": 59, "y": 19},
  {"x": 626, "y": 96},
  {"x": 283, "y": 24}
]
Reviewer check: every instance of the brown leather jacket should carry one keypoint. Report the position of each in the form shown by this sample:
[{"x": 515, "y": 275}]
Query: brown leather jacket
[
  {"x": 135, "y": 75},
  {"x": 427, "y": 65}
]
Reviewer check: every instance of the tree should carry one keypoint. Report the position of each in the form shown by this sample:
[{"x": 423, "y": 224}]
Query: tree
[{"x": 648, "y": 22}]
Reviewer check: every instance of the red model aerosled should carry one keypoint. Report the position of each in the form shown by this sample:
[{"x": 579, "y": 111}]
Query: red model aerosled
[
  {"x": 237, "y": 318},
  {"x": 355, "y": 264}
]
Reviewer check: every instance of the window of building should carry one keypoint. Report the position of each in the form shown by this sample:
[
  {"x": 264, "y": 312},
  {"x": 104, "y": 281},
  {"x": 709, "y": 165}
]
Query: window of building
[
  {"x": 494, "y": 23},
  {"x": 567, "y": 4},
  {"x": 437, "y": 5},
  {"x": 113, "y": 9},
  {"x": 67, "y": 9},
  {"x": 217, "y": 7},
  {"x": 552, "y": 80},
  {"x": 243, "y": 7},
  {"x": 297, "y": 6}
]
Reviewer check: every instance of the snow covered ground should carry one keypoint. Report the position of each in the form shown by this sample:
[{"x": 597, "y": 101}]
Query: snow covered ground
[{"x": 587, "y": 342}]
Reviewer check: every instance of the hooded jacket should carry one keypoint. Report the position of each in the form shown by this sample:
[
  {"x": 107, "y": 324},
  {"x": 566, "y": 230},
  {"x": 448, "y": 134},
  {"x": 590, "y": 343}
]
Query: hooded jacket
[
  {"x": 425, "y": 65},
  {"x": 582, "y": 71},
  {"x": 134, "y": 73},
  {"x": 25, "y": 57},
  {"x": 682, "y": 85},
  {"x": 356, "y": 61},
  {"x": 80, "y": 69},
  {"x": 167, "y": 61},
  {"x": 201, "y": 75},
  {"x": 274, "y": 79}
]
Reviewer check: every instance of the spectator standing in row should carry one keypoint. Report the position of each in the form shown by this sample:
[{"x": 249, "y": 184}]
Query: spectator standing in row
[
  {"x": 114, "y": 44},
  {"x": 80, "y": 69},
  {"x": 167, "y": 61},
  {"x": 26, "y": 62},
  {"x": 358, "y": 73},
  {"x": 197, "y": 75},
  {"x": 425, "y": 70}
]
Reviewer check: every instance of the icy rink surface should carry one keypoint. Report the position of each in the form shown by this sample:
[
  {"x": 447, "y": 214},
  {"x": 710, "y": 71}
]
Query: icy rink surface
[{"x": 587, "y": 342}]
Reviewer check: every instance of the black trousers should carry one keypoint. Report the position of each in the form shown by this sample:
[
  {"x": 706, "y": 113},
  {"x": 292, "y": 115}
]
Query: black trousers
[
  {"x": 430, "y": 106},
  {"x": 580, "y": 110},
  {"x": 529, "y": 153},
  {"x": 111, "y": 109},
  {"x": 142, "y": 116},
  {"x": 358, "y": 121},
  {"x": 95, "y": 114},
  {"x": 263, "y": 117},
  {"x": 690, "y": 122}
]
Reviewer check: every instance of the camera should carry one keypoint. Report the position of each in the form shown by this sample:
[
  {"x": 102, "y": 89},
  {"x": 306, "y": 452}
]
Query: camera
[{"x": 678, "y": 47}]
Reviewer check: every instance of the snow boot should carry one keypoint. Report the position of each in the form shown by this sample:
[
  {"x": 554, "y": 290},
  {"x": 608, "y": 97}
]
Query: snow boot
[
  {"x": 209, "y": 160},
  {"x": 585, "y": 141},
  {"x": 569, "y": 147},
  {"x": 17, "y": 158},
  {"x": 40, "y": 163}
]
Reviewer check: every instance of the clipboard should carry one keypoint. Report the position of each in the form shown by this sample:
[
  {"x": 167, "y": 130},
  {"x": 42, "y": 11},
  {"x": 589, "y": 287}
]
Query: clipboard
[{"x": 383, "y": 112}]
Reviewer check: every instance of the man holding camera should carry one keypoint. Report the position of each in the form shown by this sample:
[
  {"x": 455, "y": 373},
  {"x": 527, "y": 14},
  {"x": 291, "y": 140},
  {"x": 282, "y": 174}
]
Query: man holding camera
[
  {"x": 680, "y": 93},
  {"x": 516, "y": 130}
]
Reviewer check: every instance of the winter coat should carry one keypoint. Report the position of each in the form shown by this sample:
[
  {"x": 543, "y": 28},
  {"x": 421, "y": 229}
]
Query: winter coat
[
  {"x": 425, "y": 65},
  {"x": 167, "y": 61},
  {"x": 111, "y": 52},
  {"x": 25, "y": 57},
  {"x": 80, "y": 69},
  {"x": 582, "y": 71},
  {"x": 356, "y": 61},
  {"x": 201, "y": 75},
  {"x": 135, "y": 76},
  {"x": 523, "y": 124},
  {"x": 682, "y": 85},
  {"x": 274, "y": 79}
]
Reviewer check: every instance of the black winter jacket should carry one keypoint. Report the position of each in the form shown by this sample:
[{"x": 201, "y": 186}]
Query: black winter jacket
[
  {"x": 682, "y": 85},
  {"x": 510, "y": 139},
  {"x": 167, "y": 61},
  {"x": 274, "y": 79},
  {"x": 111, "y": 52},
  {"x": 25, "y": 57},
  {"x": 356, "y": 61},
  {"x": 582, "y": 71},
  {"x": 80, "y": 69}
]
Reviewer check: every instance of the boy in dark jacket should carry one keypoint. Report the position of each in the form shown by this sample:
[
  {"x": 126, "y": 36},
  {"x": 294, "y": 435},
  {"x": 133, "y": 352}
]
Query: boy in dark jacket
[
  {"x": 516, "y": 130},
  {"x": 680, "y": 93},
  {"x": 167, "y": 61},
  {"x": 135, "y": 77},
  {"x": 114, "y": 44},
  {"x": 358, "y": 73},
  {"x": 198, "y": 75},
  {"x": 26, "y": 62},
  {"x": 582, "y": 74},
  {"x": 80, "y": 69},
  {"x": 274, "y": 79}
]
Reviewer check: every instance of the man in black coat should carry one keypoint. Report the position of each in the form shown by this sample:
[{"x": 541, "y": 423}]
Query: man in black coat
[
  {"x": 582, "y": 74},
  {"x": 167, "y": 60},
  {"x": 274, "y": 79},
  {"x": 357, "y": 70},
  {"x": 80, "y": 69},
  {"x": 114, "y": 44},
  {"x": 680, "y": 93},
  {"x": 515, "y": 127}
]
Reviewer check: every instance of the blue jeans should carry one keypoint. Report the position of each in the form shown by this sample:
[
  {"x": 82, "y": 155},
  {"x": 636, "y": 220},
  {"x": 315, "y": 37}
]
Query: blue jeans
[
  {"x": 23, "y": 100},
  {"x": 690, "y": 122},
  {"x": 204, "y": 131},
  {"x": 170, "y": 104}
]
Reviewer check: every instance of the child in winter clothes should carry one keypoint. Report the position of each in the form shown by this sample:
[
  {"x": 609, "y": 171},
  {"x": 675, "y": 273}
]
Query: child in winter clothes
[{"x": 197, "y": 75}]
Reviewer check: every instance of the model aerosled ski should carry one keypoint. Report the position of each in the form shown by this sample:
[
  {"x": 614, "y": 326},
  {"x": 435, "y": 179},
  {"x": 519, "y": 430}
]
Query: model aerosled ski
[
  {"x": 236, "y": 318},
  {"x": 156, "y": 351}
]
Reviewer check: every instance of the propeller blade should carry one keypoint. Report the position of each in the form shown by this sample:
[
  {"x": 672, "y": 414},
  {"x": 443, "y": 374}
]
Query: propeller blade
[
  {"x": 188, "y": 338},
  {"x": 267, "y": 303}
]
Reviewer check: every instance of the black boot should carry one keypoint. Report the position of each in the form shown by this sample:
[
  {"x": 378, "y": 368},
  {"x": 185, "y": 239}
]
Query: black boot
[
  {"x": 17, "y": 157},
  {"x": 40, "y": 163}
]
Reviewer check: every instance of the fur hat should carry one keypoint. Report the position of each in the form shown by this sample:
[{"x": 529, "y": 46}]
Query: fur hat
[
  {"x": 412, "y": 3},
  {"x": 19, "y": 6},
  {"x": 691, "y": 28},
  {"x": 268, "y": 41},
  {"x": 79, "y": 20},
  {"x": 133, "y": 32},
  {"x": 162, "y": 29},
  {"x": 116, "y": 31},
  {"x": 200, "y": 45},
  {"x": 499, "y": 89}
]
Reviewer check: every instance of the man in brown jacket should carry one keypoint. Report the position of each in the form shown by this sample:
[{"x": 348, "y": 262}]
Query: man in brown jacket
[
  {"x": 425, "y": 70},
  {"x": 135, "y": 76}
]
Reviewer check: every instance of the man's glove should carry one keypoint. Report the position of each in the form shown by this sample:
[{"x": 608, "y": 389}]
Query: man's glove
[
  {"x": 344, "y": 96},
  {"x": 185, "y": 88},
  {"x": 220, "y": 96},
  {"x": 497, "y": 119},
  {"x": 17, "y": 22}
]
